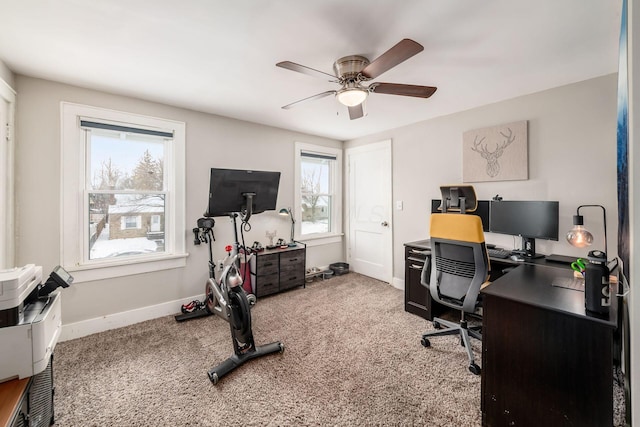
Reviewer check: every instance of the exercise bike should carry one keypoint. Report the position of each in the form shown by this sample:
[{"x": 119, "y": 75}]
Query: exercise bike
[
  {"x": 203, "y": 233},
  {"x": 235, "y": 194},
  {"x": 227, "y": 299}
]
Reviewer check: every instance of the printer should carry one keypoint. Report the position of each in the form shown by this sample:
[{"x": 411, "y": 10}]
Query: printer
[{"x": 30, "y": 319}]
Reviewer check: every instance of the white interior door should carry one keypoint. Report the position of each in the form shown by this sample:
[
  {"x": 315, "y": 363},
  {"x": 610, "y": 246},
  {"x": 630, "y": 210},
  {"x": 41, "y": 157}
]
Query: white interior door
[{"x": 369, "y": 198}]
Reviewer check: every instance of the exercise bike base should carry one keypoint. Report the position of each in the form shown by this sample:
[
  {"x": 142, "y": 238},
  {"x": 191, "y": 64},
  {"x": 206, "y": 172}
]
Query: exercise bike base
[{"x": 215, "y": 374}]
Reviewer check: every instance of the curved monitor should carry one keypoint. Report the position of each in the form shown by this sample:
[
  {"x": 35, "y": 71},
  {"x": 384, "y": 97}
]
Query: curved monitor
[{"x": 235, "y": 191}]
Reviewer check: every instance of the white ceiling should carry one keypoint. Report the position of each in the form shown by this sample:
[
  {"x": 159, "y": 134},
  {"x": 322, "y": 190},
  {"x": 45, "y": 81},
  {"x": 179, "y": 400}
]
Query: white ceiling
[{"x": 219, "y": 56}]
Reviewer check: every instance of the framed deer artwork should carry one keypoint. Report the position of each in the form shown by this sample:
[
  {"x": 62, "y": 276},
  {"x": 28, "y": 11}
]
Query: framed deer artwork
[{"x": 497, "y": 153}]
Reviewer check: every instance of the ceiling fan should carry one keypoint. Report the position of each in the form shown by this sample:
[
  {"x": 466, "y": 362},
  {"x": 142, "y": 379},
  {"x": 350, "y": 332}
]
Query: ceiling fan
[{"x": 354, "y": 70}]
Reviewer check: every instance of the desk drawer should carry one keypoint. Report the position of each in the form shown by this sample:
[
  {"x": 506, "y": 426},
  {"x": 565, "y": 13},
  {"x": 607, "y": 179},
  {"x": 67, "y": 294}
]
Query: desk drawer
[{"x": 417, "y": 254}]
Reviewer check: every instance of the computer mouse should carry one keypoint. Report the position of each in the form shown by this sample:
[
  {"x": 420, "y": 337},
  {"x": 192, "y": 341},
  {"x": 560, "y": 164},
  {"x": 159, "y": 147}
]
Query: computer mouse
[{"x": 516, "y": 258}]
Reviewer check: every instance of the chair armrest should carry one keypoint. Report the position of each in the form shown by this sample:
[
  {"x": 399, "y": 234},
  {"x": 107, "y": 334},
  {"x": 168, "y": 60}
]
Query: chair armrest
[{"x": 425, "y": 276}]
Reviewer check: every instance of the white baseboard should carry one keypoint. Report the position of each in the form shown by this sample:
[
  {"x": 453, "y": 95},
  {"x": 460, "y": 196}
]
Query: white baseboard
[
  {"x": 118, "y": 320},
  {"x": 398, "y": 283}
]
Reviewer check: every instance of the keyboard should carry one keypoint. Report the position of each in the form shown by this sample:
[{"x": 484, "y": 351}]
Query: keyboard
[{"x": 498, "y": 253}]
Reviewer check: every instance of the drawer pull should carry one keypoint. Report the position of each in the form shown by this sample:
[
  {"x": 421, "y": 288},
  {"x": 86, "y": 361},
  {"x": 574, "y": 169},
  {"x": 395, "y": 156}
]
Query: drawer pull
[
  {"x": 425, "y": 252},
  {"x": 266, "y": 264},
  {"x": 293, "y": 259},
  {"x": 416, "y": 266}
]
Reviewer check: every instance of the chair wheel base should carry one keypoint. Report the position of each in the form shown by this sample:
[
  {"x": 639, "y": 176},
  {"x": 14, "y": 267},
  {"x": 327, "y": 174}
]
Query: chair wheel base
[
  {"x": 474, "y": 369},
  {"x": 425, "y": 342}
]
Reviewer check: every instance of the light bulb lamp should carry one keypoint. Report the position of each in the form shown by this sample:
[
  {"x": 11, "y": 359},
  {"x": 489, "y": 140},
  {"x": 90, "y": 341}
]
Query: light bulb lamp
[
  {"x": 288, "y": 212},
  {"x": 352, "y": 94},
  {"x": 579, "y": 236}
]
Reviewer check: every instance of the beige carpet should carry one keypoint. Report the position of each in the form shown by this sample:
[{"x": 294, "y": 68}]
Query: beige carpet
[{"x": 353, "y": 357}]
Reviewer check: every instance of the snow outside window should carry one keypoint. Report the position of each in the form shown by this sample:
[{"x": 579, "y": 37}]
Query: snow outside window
[{"x": 129, "y": 170}]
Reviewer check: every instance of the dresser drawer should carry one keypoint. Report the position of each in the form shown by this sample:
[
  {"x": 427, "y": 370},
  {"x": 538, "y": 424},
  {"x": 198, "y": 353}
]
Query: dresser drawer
[
  {"x": 267, "y": 265},
  {"x": 268, "y": 285},
  {"x": 292, "y": 281},
  {"x": 292, "y": 261}
]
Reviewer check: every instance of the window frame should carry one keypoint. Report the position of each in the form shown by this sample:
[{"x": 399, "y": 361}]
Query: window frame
[
  {"x": 74, "y": 213},
  {"x": 335, "y": 234},
  {"x": 7, "y": 181}
]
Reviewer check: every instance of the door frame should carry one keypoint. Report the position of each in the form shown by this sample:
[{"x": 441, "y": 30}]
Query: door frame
[{"x": 384, "y": 144}]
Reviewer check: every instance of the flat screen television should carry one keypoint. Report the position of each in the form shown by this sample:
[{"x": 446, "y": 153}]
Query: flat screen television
[
  {"x": 529, "y": 219},
  {"x": 482, "y": 210},
  {"x": 241, "y": 191}
]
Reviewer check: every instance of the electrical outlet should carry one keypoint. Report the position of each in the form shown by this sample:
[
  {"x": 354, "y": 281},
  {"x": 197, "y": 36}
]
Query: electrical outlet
[{"x": 399, "y": 205}]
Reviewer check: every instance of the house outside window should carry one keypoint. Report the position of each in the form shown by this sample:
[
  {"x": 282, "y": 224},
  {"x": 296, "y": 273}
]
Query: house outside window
[
  {"x": 129, "y": 207},
  {"x": 318, "y": 198}
]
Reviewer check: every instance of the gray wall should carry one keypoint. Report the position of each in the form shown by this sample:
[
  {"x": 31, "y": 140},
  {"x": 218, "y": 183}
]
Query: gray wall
[
  {"x": 572, "y": 159},
  {"x": 212, "y": 141}
]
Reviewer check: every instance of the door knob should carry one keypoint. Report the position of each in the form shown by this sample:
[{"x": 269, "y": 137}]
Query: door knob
[{"x": 384, "y": 224}]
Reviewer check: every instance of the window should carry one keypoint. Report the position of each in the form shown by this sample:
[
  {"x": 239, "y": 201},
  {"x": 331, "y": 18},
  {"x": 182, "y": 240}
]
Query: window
[
  {"x": 123, "y": 193},
  {"x": 318, "y": 197}
]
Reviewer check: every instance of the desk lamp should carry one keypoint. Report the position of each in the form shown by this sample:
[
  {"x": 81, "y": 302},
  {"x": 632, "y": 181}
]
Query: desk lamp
[
  {"x": 579, "y": 236},
  {"x": 287, "y": 211},
  {"x": 596, "y": 275}
]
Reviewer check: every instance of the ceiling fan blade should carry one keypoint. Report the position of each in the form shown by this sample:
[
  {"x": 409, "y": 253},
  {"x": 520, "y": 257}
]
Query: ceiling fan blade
[
  {"x": 402, "y": 51},
  {"x": 404, "y": 90},
  {"x": 305, "y": 70},
  {"x": 311, "y": 98},
  {"x": 356, "y": 112}
]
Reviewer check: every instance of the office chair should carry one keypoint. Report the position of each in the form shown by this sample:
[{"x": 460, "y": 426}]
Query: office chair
[{"x": 459, "y": 255}]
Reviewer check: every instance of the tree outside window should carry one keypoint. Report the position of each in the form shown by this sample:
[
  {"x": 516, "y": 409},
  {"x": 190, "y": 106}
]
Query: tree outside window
[
  {"x": 126, "y": 194},
  {"x": 315, "y": 194},
  {"x": 318, "y": 196}
]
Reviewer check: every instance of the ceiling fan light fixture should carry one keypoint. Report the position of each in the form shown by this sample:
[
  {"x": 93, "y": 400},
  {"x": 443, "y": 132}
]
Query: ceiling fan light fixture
[{"x": 352, "y": 96}]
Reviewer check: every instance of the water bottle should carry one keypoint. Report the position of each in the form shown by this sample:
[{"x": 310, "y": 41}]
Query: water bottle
[{"x": 596, "y": 283}]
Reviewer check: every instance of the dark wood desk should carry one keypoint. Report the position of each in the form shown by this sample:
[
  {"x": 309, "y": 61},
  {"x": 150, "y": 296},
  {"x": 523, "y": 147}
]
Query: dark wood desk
[
  {"x": 417, "y": 299},
  {"x": 545, "y": 360}
]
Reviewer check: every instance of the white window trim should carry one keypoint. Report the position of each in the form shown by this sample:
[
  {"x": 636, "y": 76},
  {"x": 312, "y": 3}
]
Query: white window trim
[
  {"x": 72, "y": 180},
  {"x": 7, "y": 199},
  {"x": 335, "y": 236}
]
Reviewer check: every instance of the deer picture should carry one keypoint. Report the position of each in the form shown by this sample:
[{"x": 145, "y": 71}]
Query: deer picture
[{"x": 493, "y": 167}]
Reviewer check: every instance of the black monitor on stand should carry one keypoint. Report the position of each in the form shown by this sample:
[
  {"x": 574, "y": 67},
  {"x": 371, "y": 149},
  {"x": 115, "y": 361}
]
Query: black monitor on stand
[
  {"x": 244, "y": 192},
  {"x": 529, "y": 219}
]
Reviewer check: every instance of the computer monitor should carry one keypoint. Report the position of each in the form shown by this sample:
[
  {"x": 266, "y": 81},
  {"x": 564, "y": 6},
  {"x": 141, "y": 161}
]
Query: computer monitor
[
  {"x": 482, "y": 211},
  {"x": 241, "y": 191},
  {"x": 529, "y": 219}
]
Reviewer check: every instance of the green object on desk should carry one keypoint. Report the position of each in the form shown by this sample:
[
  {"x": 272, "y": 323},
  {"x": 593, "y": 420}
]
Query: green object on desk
[{"x": 579, "y": 266}]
